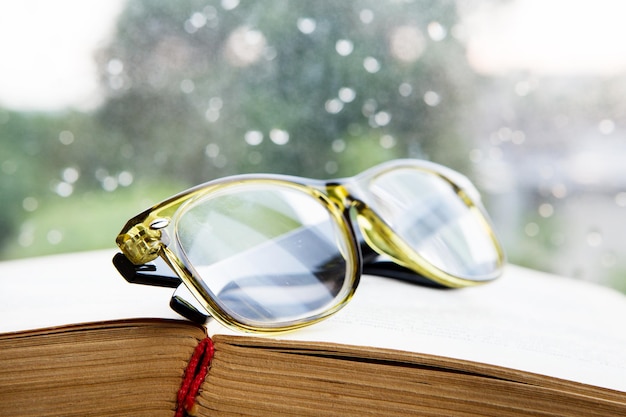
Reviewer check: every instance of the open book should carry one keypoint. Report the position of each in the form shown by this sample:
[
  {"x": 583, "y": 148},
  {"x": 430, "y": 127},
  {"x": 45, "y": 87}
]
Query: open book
[{"x": 529, "y": 343}]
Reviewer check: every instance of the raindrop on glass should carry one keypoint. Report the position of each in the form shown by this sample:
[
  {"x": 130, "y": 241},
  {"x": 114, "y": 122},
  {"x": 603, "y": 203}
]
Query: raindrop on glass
[
  {"x": 212, "y": 150},
  {"x": 187, "y": 86},
  {"x": 229, "y": 4},
  {"x": 371, "y": 65},
  {"x": 30, "y": 204},
  {"x": 70, "y": 175},
  {"x": 115, "y": 66},
  {"x": 279, "y": 137},
  {"x": 306, "y": 25},
  {"x": 333, "y": 106},
  {"x": 431, "y": 98},
  {"x": 436, "y": 31},
  {"x": 387, "y": 141},
  {"x": 344, "y": 47},
  {"x": 366, "y": 16},
  {"x": 253, "y": 137},
  {"x": 66, "y": 137},
  {"x": 347, "y": 95},
  {"x": 546, "y": 210},
  {"x": 382, "y": 118},
  {"x": 125, "y": 178},
  {"x": 405, "y": 89},
  {"x": 54, "y": 237},
  {"x": 338, "y": 145},
  {"x": 531, "y": 229}
]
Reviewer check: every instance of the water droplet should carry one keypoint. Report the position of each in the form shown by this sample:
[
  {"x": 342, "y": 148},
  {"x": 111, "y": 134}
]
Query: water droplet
[
  {"x": 546, "y": 210},
  {"x": 216, "y": 103},
  {"x": 245, "y": 46},
  {"x": 331, "y": 167},
  {"x": 436, "y": 31},
  {"x": 532, "y": 229},
  {"x": 253, "y": 137},
  {"x": 407, "y": 43},
  {"x": 64, "y": 189},
  {"x": 306, "y": 25},
  {"x": 109, "y": 184},
  {"x": 344, "y": 47},
  {"x": 212, "y": 150},
  {"x": 66, "y": 137},
  {"x": 197, "y": 20},
  {"x": 187, "y": 86},
  {"x": 125, "y": 178},
  {"x": 30, "y": 204},
  {"x": 212, "y": 115},
  {"x": 366, "y": 16},
  {"x": 382, "y": 118},
  {"x": 229, "y": 4},
  {"x": 431, "y": 98},
  {"x": 70, "y": 175},
  {"x": 369, "y": 107},
  {"x": 387, "y": 141},
  {"x": 405, "y": 89},
  {"x": 371, "y": 65},
  {"x": 338, "y": 145},
  {"x": 115, "y": 66},
  {"x": 347, "y": 95},
  {"x": 54, "y": 237},
  {"x": 334, "y": 106},
  {"x": 279, "y": 137}
]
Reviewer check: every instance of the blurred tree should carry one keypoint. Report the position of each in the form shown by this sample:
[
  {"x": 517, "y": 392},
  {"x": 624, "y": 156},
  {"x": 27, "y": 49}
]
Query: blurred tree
[{"x": 198, "y": 89}]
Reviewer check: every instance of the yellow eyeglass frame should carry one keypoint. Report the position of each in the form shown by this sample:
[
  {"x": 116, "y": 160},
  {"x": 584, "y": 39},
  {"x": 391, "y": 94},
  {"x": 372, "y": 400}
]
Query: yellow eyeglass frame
[{"x": 142, "y": 239}]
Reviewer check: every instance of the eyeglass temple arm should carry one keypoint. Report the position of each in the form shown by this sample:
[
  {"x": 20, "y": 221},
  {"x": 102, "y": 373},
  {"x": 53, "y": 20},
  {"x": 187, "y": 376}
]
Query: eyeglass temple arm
[
  {"x": 150, "y": 274},
  {"x": 144, "y": 274},
  {"x": 375, "y": 264}
]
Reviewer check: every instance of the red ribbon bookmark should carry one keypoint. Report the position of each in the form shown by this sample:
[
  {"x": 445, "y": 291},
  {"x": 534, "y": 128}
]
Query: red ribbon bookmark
[{"x": 196, "y": 371}]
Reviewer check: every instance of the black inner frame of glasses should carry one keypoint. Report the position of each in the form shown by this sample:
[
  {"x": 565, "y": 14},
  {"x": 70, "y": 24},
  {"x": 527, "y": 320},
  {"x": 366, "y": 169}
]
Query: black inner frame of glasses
[{"x": 160, "y": 274}]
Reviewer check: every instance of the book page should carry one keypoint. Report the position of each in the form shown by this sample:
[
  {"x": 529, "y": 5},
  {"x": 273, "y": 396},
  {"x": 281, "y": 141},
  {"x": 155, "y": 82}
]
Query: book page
[
  {"x": 526, "y": 320},
  {"x": 73, "y": 288}
]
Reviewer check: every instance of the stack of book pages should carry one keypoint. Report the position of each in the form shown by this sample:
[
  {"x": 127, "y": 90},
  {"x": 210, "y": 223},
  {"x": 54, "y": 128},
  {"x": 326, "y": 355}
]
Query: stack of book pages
[{"x": 77, "y": 340}]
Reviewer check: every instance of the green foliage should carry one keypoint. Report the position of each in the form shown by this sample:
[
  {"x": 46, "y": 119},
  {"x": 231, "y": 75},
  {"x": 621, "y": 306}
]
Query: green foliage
[
  {"x": 202, "y": 86},
  {"x": 196, "y": 90},
  {"x": 85, "y": 221}
]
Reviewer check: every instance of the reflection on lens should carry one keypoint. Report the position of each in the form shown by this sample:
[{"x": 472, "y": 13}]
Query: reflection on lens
[
  {"x": 269, "y": 254},
  {"x": 426, "y": 212}
]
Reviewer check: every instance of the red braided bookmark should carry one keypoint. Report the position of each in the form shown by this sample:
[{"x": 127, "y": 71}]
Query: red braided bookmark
[{"x": 195, "y": 373}]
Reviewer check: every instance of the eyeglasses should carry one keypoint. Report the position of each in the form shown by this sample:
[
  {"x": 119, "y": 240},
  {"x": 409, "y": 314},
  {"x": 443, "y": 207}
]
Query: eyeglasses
[{"x": 270, "y": 253}]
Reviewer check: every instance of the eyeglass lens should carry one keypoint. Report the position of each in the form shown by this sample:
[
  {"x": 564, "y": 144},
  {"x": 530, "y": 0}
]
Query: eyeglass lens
[
  {"x": 267, "y": 253},
  {"x": 426, "y": 212}
]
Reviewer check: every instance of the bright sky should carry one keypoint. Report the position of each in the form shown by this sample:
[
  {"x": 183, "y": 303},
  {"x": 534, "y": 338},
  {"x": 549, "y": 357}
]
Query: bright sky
[
  {"x": 47, "y": 49},
  {"x": 48, "y": 46},
  {"x": 550, "y": 36}
]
